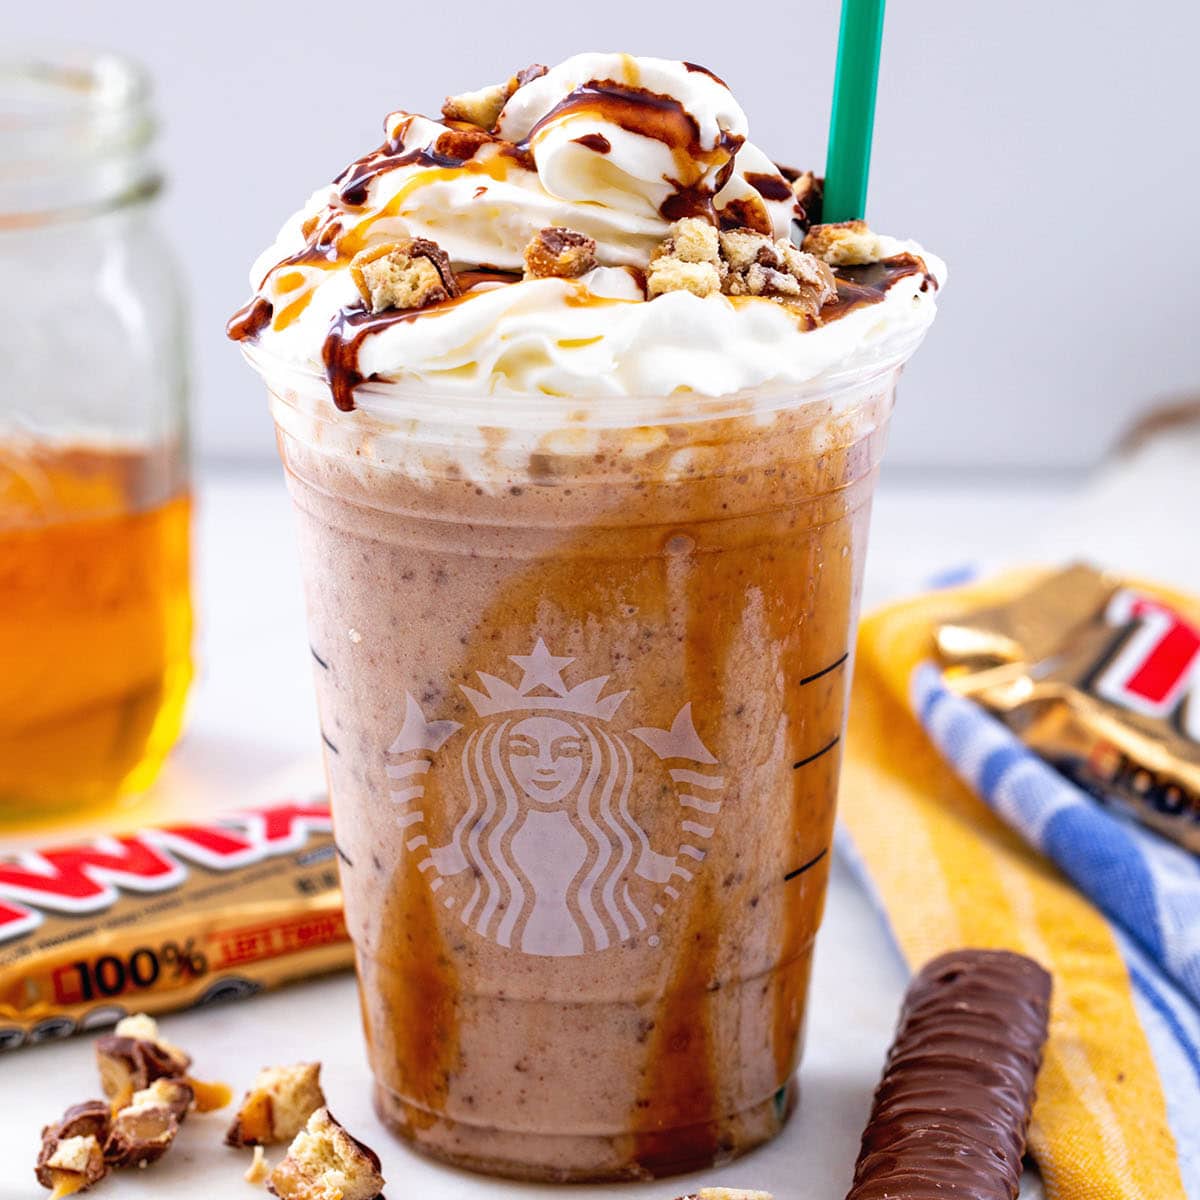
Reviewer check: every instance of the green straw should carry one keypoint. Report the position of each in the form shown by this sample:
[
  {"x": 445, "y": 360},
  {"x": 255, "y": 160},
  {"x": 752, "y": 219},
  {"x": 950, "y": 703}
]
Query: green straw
[{"x": 854, "y": 83}]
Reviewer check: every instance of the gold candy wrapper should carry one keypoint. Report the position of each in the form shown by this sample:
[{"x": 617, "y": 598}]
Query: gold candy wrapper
[
  {"x": 1102, "y": 679},
  {"x": 167, "y": 918}
]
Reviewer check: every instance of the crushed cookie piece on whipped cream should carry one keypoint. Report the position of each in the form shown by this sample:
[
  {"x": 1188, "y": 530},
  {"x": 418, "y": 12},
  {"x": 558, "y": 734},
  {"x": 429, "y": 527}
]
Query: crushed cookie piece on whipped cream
[
  {"x": 462, "y": 144},
  {"x": 844, "y": 244},
  {"x": 483, "y": 106},
  {"x": 698, "y": 258},
  {"x": 687, "y": 260},
  {"x": 559, "y": 253},
  {"x": 614, "y": 148},
  {"x": 757, "y": 266},
  {"x": 406, "y": 274}
]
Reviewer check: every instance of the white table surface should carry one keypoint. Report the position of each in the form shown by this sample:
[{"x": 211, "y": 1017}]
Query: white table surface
[{"x": 252, "y": 721}]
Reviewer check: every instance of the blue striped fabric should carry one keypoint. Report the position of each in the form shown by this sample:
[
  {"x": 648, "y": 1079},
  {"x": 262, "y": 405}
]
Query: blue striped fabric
[
  {"x": 1172, "y": 1028},
  {"x": 1146, "y": 886}
]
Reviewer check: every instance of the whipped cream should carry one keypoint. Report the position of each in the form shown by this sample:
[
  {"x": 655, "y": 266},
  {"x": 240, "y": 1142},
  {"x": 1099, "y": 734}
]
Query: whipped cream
[{"x": 611, "y": 146}]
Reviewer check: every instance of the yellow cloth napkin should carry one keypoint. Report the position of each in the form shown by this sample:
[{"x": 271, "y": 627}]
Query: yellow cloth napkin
[{"x": 948, "y": 872}]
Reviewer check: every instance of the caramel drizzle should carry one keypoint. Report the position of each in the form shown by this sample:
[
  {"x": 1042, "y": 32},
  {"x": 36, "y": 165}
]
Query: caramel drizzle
[
  {"x": 677, "y": 1115},
  {"x": 354, "y": 183},
  {"x": 857, "y": 287},
  {"x": 330, "y": 243}
]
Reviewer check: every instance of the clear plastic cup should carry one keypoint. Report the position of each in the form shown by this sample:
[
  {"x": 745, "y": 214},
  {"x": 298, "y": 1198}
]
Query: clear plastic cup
[{"x": 582, "y": 670}]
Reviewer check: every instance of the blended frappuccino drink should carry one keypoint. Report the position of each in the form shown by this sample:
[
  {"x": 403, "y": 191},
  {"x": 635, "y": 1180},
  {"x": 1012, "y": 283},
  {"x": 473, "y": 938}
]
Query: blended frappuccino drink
[{"x": 581, "y": 409}]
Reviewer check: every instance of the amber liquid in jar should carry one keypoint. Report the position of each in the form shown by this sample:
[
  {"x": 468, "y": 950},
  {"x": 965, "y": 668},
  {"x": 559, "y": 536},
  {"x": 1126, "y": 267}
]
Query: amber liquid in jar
[{"x": 95, "y": 622}]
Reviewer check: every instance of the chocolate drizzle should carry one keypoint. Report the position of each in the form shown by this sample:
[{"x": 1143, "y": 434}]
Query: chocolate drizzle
[
  {"x": 807, "y": 211},
  {"x": 595, "y": 141},
  {"x": 249, "y": 320},
  {"x": 334, "y": 236},
  {"x": 353, "y": 325},
  {"x": 521, "y": 154},
  {"x": 857, "y": 287},
  {"x": 870, "y": 284},
  {"x": 746, "y": 212},
  {"x": 636, "y": 110},
  {"x": 457, "y": 145},
  {"x": 951, "y": 1110},
  {"x": 485, "y": 274},
  {"x": 687, "y": 202},
  {"x": 345, "y": 338},
  {"x": 697, "y": 69},
  {"x": 530, "y": 73},
  {"x": 770, "y": 187},
  {"x": 663, "y": 118},
  {"x": 354, "y": 183}
]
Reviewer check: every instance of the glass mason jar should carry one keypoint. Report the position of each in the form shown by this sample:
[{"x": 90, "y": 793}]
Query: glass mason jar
[{"x": 95, "y": 612}]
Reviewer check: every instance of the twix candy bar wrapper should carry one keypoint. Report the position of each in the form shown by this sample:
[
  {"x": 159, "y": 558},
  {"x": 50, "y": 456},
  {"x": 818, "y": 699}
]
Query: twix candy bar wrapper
[
  {"x": 1099, "y": 677},
  {"x": 167, "y": 918}
]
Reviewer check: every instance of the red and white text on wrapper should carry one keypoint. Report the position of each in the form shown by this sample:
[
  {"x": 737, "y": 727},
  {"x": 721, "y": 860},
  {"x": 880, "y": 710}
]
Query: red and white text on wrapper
[{"x": 159, "y": 919}]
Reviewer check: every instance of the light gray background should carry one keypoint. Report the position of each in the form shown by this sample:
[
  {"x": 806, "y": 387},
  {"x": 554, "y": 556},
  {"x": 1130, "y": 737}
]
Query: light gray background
[{"x": 1047, "y": 150}]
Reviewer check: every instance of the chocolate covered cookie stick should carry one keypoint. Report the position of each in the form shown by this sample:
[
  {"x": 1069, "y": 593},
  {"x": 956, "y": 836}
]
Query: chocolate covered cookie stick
[{"x": 952, "y": 1108}]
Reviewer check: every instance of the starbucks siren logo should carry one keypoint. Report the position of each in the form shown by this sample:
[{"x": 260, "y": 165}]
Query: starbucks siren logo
[{"x": 546, "y": 855}]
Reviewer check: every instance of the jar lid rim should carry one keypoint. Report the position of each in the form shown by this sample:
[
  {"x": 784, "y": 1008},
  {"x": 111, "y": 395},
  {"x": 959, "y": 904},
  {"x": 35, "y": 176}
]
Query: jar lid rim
[
  {"x": 49, "y": 88},
  {"x": 76, "y": 134}
]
